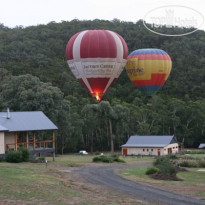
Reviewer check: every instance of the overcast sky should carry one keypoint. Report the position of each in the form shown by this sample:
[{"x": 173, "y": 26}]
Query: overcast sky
[{"x": 33, "y": 12}]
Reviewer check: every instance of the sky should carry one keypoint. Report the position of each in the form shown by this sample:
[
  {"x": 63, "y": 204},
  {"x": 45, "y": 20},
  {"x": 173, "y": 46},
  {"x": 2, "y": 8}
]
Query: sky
[{"x": 34, "y": 12}]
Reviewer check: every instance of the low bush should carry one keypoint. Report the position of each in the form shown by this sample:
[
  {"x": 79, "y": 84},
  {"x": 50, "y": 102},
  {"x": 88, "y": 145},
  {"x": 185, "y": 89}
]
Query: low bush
[
  {"x": 97, "y": 159},
  {"x": 22, "y": 155},
  {"x": 117, "y": 159},
  {"x": 194, "y": 152},
  {"x": 172, "y": 156},
  {"x": 201, "y": 163},
  {"x": 32, "y": 157},
  {"x": 42, "y": 158},
  {"x": 1, "y": 158},
  {"x": 14, "y": 157},
  {"x": 192, "y": 163},
  {"x": 160, "y": 160},
  {"x": 25, "y": 154},
  {"x": 167, "y": 169},
  {"x": 151, "y": 170},
  {"x": 106, "y": 159},
  {"x": 165, "y": 166},
  {"x": 103, "y": 159}
]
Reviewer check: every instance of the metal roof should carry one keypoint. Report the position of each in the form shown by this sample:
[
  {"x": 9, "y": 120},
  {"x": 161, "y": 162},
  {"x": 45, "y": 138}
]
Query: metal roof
[
  {"x": 202, "y": 146},
  {"x": 25, "y": 121},
  {"x": 149, "y": 141},
  {"x": 3, "y": 128}
]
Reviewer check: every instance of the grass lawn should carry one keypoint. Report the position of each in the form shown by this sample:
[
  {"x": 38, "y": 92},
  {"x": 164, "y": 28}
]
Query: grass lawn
[
  {"x": 34, "y": 186},
  {"x": 193, "y": 183},
  {"x": 33, "y": 183}
]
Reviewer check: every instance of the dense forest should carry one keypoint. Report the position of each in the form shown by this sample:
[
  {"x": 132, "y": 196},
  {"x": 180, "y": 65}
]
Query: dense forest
[{"x": 34, "y": 75}]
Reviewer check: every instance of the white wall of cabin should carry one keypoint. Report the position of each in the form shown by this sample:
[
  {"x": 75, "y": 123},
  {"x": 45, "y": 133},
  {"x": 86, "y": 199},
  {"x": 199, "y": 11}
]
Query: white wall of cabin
[
  {"x": 2, "y": 143},
  {"x": 174, "y": 147},
  {"x": 9, "y": 139}
]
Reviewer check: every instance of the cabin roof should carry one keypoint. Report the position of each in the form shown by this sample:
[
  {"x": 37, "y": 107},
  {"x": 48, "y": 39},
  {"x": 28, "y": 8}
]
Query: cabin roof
[
  {"x": 149, "y": 141},
  {"x": 25, "y": 121}
]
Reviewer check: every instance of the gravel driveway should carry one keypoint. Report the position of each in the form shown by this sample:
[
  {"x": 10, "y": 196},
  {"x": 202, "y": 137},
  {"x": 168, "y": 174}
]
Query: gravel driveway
[{"x": 105, "y": 175}]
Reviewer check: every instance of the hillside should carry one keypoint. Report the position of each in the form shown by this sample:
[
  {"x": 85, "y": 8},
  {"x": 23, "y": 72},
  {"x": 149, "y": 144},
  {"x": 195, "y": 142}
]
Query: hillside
[{"x": 178, "y": 108}]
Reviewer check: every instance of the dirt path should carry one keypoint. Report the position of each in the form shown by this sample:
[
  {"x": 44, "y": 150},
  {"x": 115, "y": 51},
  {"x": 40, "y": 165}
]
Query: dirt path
[{"x": 105, "y": 175}]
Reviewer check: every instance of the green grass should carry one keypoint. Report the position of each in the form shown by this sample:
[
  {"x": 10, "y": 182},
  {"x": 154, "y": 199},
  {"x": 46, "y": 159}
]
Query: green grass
[
  {"x": 69, "y": 160},
  {"x": 193, "y": 176},
  {"x": 33, "y": 184}
]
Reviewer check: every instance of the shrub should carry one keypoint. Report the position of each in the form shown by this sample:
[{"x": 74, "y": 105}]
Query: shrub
[
  {"x": 165, "y": 166},
  {"x": 102, "y": 159},
  {"x": 194, "y": 152},
  {"x": 172, "y": 156},
  {"x": 151, "y": 170},
  {"x": 25, "y": 154},
  {"x": 42, "y": 158},
  {"x": 117, "y": 159},
  {"x": 32, "y": 157},
  {"x": 188, "y": 163},
  {"x": 106, "y": 159},
  {"x": 97, "y": 159},
  {"x": 1, "y": 158},
  {"x": 160, "y": 160},
  {"x": 14, "y": 157},
  {"x": 167, "y": 169},
  {"x": 201, "y": 163}
]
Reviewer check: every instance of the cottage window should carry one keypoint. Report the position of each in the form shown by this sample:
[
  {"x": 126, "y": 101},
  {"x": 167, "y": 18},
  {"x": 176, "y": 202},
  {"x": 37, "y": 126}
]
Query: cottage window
[
  {"x": 148, "y": 150},
  {"x": 164, "y": 149},
  {"x": 152, "y": 150},
  {"x": 143, "y": 150}
]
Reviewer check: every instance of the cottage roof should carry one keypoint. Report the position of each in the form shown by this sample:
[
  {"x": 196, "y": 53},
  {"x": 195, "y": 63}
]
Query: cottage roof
[
  {"x": 25, "y": 121},
  {"x": 149, "y": 141},
  {"x": 202, "y": 146}
]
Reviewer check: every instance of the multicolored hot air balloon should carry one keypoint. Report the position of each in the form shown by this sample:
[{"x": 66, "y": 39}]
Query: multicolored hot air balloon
[
  {"x": 148, "y": 69},
  {"x": 96, "y": 58}
]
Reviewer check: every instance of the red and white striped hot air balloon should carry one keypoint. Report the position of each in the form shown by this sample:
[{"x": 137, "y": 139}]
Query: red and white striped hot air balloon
[{"x": 96, "y": 58}]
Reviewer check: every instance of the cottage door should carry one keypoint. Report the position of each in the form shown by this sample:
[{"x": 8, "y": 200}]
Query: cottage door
[
  {"x": 159, "y": 152},
  {"x": 124, "y": 151},
  {"x": 169, "y": 150}
]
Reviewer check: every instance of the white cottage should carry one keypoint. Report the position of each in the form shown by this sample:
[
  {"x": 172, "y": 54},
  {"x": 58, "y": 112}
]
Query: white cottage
[{"x": 150, "y": 145}]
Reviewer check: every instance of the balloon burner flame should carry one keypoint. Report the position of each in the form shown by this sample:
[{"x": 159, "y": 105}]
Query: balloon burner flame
[{"x": 97, "y": 98}]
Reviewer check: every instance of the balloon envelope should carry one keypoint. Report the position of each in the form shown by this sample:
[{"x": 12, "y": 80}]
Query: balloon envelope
[
  {"x": 96, "y": 58},
  {"x": 148, "y": 69}
]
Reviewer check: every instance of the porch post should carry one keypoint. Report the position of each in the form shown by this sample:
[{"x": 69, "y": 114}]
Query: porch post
[
  {"x": 26, "y": 139},
  {"x": 53, "y": 144},
  {"x": 15, "y": 134},
  {"x": 53, "y": 139},
  {"x": 34, "y": 140}
]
